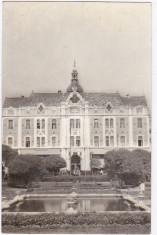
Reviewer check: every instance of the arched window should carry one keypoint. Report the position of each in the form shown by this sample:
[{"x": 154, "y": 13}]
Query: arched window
[
  {"x": 38, "y": 141},
  {"x": 96, "y": 140},
  {"x": 107, "y": 141},
  {"x": 111, "y": 141},
  {"x": 27, "y": 124},
  {"x": 10, "y": 124},
  {"x": 106, "y": 123},
  {"x": 78, "y": 123},
  {"x": 111, "y": 123},
  {"x": 43, "y": 123},
  {"x": 10, "y": 141},
  {"x": 96, "y": 124},
  {"x": 139, "y": 122},
  {"x": 54, "y": 125},
  {"x": 53, "y": 140},
  {"x": 71, "y": 140},
  {"x": 71, "y": 123},
  {"x": 38, "y": 124},
  {"x": 28, "y": 142},
  {"x": 140, "y": 141},
  {"x": 78, "y": 141},
  {"x": 122, "y": 140},
  {"x": 43, "y": 141},
  {"x": 122, "y": 123}
]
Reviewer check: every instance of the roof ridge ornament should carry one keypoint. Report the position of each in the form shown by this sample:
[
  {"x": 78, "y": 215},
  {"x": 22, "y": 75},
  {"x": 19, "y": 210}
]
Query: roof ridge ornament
[{"x": 74, "y": 63}]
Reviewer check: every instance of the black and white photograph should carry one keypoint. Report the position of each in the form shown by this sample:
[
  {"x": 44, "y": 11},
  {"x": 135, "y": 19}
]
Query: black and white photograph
[{"x": 76, "y": 117}]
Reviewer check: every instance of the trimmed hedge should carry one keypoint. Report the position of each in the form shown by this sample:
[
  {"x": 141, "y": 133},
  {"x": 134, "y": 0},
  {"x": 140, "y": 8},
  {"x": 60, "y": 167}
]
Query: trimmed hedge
[
  {"x": 70, "y": 178},
  {"x": 57, "y": 220}
]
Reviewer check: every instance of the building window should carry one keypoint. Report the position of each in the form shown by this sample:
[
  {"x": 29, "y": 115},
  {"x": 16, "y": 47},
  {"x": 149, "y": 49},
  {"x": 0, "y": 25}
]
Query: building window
[
  {"x": 38, "y": 124},
  {"x": 53, "y": 141},
  {"x": 78, "y": 141},
  {"x": 71, "y": 140},
  {"x": 10, "y": 125},
  {"x": 38, "y": 141},
  {"x": 78, "y": 123},
  {"x": 122, "y": 123},
  {"x": 106, "y": 123},
  {"x": 139, "y": 122},
  {"x": 122, "y": 140},
  {"x": 54, "y": 125},
  {"x": 111, "y": 141},
  {"x": 140, "y": 141},
  {"x": 111, "y": 123},
  {"x": 107, "y": 141},
  {"x": 27, "y": 124},
  {"x": 96, "y": 140},
  {"x": 139, "y": 109},
  {"x": 10, "y": 141},
  {"x": 43, "y": 123},
  {"x": 108, "y": 107},
  {"x": 28, "y": 142},
  {"x": 43, "y": 141},
  {"x": 96, "y": 124},
  {"x": 41, "y": 108},
  {"x": 71, "y": 123}
]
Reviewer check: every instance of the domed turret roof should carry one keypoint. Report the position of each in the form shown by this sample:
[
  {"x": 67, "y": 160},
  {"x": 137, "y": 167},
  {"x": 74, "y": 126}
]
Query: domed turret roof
[{"x": 74, "y": 86}]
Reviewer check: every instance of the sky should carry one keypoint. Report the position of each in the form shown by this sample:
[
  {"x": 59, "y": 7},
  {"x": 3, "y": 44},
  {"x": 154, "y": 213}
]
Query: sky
[{"x": 110, "y": 42}]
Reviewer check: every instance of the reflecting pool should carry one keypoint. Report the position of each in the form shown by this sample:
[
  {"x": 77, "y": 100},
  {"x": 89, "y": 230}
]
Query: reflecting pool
[{"x": 91, "y": 204}]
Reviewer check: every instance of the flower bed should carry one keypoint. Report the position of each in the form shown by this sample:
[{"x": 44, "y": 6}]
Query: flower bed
[{"x": 59, "y": 220}]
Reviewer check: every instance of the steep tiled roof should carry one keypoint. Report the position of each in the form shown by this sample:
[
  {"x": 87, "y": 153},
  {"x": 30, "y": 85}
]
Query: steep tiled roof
[
  {"x": 134, "y": 101},
  {"x": 16, "y": 102},
  {"x": 101, "y": 99},
  {"x": 54, "y": 99}
]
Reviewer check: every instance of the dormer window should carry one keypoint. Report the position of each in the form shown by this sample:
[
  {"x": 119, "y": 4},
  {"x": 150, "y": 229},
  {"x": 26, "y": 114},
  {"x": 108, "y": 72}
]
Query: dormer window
[
  {"x": 10, "y": 111},
  {"x": 74, "y": 99},
  {"x": 41, "y": 108},
  {"x": 139, "y": 109},
  {"x": 108, "y": 107}
]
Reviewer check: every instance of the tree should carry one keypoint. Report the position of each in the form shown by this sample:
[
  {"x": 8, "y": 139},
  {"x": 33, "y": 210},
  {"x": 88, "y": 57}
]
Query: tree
[
  {"x": 125, "y": 165},
  {"x": 145, "y": 156},
  {"x": 8, "y": 154},
  {"x": 132, "y": 170},
  {"x": 114, "y": 160},
  {"x": 25, "y": 169},
  {"x": 54, "y": 163}
]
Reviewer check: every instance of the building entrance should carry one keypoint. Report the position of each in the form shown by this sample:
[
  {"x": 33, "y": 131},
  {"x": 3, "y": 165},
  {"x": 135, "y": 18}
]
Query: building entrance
[{"x": 75, "y": 164}]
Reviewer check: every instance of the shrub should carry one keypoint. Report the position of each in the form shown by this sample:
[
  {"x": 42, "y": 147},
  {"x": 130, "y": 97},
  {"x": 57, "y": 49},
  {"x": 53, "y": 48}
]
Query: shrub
[
  {"x": 25, "y": 169},
  {"x": 57, "y": 220},
  {"x": 54, "y": 163},
  {"x": 70, "y": 178}
]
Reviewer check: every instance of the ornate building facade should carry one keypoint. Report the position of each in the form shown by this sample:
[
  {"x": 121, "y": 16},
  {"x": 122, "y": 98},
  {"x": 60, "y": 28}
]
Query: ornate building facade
[{"x": 76, "y": 125}]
